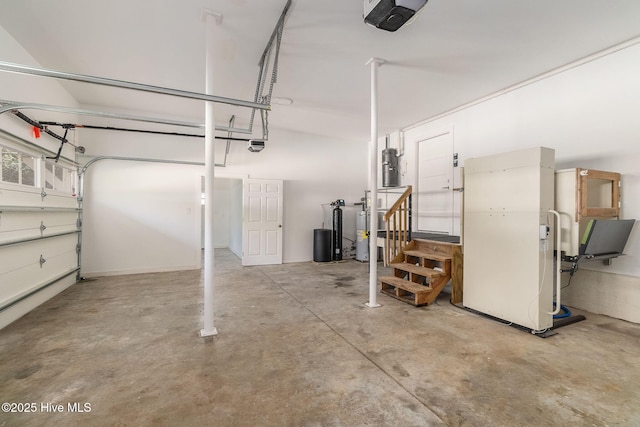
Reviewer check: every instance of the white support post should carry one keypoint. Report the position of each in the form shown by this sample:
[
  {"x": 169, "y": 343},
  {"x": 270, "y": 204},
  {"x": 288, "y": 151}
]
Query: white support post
[
  {"x": 211, "y": 19},
  {"x": 373, "y": 186}
]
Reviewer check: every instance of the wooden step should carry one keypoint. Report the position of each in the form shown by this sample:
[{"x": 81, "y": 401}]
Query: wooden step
[
  {"x": 405, "y": 290},
  {"x": 416, "y": 269},
  {"x": 427, "y": 255}
]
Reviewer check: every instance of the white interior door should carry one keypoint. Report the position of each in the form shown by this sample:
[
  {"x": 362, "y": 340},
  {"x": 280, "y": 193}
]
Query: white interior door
[
  {"x": 435, "y": 184},
  {"x": 262, "y": 222}
]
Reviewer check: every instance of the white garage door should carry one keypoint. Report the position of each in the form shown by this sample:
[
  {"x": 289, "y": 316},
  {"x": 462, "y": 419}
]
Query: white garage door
[{"x": 39, "y": 230}]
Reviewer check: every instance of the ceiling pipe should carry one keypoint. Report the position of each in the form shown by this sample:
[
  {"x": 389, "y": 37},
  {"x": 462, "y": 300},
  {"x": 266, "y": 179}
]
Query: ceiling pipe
[{"x": 43, "y": 72}]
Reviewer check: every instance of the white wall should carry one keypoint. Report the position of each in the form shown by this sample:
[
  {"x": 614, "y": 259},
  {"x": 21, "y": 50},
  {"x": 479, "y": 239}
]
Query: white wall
[
  {"x": 235, "y": 217},
  {"x": 315, "y": 170},
  {"x": 221, "y": 214},
  {"x": 140, "y": 217},
  {"x": 588, "y": 114},
  {"x": 223, "y": 189},
  {"x": 227, "y": 219}
]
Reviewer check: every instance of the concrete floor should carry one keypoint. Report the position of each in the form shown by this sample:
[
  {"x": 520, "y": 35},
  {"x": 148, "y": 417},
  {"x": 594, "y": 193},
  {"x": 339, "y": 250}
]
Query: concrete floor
[{"x": 297, "y": 347}]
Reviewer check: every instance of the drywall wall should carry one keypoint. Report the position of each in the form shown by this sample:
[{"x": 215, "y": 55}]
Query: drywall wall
[
  {"x": 221, "y": 214},
  {"x": 588, "y": 114},
  {"x": 235, "y": 217},
  {"x": 316, "y": 170},
  {"x": 227, "y": 220},
  {"x": 140, "y": 217}
]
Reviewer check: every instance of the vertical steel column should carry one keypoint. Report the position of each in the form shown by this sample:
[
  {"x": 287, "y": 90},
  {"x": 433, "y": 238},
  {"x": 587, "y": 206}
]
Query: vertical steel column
[
  {"x": 211, "y": 20},
  {"x": 373, "y": 185}
]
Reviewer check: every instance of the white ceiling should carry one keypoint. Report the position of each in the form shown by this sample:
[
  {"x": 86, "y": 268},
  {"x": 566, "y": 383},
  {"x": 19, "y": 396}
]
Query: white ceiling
[{"x": 454, "y": 52}]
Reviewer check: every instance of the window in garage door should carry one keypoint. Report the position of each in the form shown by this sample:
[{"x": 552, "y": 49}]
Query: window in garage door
[
  {"x": 59, "y": 178},
  {"x": 17, "y": 167}
]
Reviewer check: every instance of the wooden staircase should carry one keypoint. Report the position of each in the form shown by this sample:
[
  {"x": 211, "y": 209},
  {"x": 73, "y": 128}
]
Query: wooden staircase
[{"x": 422, "y": 269}]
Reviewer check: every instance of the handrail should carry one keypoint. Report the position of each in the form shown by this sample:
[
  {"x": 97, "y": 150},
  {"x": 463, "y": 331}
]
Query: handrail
[
  {"x": 398, "y": 202},
  {"x": 400, "y": 234}
]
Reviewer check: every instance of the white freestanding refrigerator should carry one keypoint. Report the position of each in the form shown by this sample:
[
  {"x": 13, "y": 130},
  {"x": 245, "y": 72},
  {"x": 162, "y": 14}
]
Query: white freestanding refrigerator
[{"x": 508, "y": 236}]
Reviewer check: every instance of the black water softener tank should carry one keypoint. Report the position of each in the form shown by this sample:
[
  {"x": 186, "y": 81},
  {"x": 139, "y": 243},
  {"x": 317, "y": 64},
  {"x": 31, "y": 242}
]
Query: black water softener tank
[
  {"x": 322, "y": 245},
  {"x": 337, "y": 231}
]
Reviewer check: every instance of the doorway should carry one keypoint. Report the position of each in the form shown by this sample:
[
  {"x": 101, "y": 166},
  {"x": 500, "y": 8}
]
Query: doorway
[
  {"x": 435, "y": 210},
  {"x": 248, "y": 219},
  {"x": 227, "y": 215}
]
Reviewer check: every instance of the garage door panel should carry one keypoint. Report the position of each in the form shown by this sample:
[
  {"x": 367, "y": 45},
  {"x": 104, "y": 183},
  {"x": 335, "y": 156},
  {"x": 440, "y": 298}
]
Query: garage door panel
[
  {"x": 21, "y": 196},
  {"x": 13, "y": 282},
  {"x": 16, "y": 225},
  {"x": 22, "y": 270},
  {"x": 15, "y": 256},
  {"x": 30, "y": 268},
  {"x": 58, "y": 200}
]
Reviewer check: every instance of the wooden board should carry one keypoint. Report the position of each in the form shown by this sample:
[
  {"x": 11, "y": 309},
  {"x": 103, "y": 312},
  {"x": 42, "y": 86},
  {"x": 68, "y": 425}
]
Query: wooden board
[
  {"x": 404, "y": 290},
  {"x": 416, "y": 269}
]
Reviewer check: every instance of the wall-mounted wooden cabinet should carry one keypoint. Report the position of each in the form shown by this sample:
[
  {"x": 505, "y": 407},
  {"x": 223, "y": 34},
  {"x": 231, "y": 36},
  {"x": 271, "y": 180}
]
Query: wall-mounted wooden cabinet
[{"x": 581, "y": 195}]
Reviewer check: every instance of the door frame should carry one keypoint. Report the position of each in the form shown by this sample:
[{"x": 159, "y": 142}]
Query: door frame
[
  {"x": 272, "y": 226},
  {"x": 423, "y": 138}
]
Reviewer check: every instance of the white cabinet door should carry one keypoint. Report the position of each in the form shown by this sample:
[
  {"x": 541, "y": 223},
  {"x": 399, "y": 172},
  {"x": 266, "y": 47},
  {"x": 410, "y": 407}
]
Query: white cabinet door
[{"x": 262, "y": 222}]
